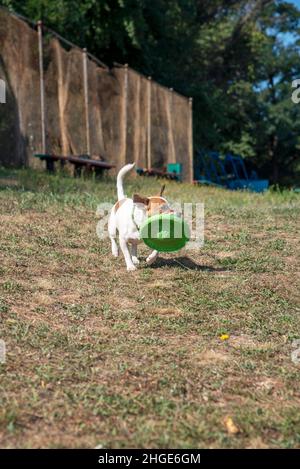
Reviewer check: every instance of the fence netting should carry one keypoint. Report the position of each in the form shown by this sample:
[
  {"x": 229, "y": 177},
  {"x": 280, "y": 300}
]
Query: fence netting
[{"x": 128, "y": 117}]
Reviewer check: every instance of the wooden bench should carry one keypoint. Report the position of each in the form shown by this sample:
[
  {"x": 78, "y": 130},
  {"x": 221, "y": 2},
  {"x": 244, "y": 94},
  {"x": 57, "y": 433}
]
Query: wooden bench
[
  {"x": 160, "y": 173},
  {"x": 79, "y": 162}
]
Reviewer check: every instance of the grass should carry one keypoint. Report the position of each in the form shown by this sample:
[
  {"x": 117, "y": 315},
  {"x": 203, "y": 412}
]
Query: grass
[{"x": 97, "y": 356}]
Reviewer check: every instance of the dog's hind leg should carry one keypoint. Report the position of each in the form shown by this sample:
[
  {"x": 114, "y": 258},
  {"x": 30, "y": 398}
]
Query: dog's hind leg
[
  {"x": 112, "y": 231},
  {"x": 124, "y": 246},
  {"x": 114, "y": 247}
]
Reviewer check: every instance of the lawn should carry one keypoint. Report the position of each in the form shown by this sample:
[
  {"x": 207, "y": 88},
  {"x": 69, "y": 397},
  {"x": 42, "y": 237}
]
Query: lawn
[{"x": 99, "y": 356}]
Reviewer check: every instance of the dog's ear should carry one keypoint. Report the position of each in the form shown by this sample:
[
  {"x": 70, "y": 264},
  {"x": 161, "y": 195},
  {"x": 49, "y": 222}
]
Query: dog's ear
[
  {"x": 138, "y": 199},
  {"x": 162, "y": 189}
]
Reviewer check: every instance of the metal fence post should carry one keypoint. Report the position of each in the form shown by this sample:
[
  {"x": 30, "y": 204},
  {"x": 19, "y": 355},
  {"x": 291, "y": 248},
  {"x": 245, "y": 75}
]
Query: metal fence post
[
  {"x": 42, "y": 84},
  {"x": 61, "y": 100},
  {"x": 149, "y": 84},
  {"x": 190, "y": 137},
  {"x": 171, "y": 144},
  {"x": 125, "y": 112},
  {"x": 2, "y": 91},
  {"x": 86, "y": 100}
]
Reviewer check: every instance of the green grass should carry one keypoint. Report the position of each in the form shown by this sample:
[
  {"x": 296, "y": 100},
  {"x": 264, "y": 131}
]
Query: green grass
[{"x": 99, "y": 356}]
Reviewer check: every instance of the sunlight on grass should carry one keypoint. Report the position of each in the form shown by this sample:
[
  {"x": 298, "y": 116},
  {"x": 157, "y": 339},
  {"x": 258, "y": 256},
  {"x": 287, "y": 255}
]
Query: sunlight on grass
[{"x": 98, "y": 356}]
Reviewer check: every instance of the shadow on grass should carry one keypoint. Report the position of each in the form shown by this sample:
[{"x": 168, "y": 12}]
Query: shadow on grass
[{"x": 185, "y": 263}]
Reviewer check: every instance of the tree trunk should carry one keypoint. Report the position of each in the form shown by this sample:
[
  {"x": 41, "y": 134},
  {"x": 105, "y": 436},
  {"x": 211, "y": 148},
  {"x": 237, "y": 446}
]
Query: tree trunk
[{"x": 273, "y": 158}]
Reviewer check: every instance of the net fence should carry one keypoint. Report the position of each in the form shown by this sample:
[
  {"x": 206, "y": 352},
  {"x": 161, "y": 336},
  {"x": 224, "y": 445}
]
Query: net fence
[{"x": 117, "y": 115}]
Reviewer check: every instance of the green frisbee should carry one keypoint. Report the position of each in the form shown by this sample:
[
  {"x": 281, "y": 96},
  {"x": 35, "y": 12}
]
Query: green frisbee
[{"x": 165, "y": 232}]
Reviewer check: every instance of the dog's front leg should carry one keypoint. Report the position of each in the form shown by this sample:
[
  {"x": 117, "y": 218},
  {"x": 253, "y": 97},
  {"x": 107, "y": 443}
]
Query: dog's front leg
[
  {"x": 152, "y": 257},
  {"x": 124, "y": 247},
  {"x": 134, "y": 254}
]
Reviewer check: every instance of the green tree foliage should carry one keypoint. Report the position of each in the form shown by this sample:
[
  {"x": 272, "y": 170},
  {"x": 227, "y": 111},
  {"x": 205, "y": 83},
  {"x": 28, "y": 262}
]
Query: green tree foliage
[{"x": 237, "y": 58}]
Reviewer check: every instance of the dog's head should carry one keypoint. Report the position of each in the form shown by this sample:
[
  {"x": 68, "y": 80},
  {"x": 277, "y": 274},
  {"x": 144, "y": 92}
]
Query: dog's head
[{"x": 153, "y": 205}]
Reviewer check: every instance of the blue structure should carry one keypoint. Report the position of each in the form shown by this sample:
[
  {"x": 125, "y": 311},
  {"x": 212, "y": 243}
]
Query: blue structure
[{"x": 229, "y": 171}]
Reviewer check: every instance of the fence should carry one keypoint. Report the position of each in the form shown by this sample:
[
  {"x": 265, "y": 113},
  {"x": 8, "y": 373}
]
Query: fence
[{"x": 61, "y": 99}]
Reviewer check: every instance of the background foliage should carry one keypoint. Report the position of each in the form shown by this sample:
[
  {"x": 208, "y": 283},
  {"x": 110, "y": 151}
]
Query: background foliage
[{"x": 237, "y": 59}]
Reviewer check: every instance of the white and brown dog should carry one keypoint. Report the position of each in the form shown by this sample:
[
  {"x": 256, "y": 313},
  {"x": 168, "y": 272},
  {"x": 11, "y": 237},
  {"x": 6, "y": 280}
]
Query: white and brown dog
[{"x": 126, "y": 217}]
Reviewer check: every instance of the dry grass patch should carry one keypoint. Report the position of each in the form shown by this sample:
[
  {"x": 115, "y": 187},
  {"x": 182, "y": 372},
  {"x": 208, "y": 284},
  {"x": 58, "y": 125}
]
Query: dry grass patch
[{"x": 97, "y": 356}]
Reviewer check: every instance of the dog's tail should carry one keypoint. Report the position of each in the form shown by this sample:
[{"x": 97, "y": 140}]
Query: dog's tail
[{"x": 120, "y": 178}]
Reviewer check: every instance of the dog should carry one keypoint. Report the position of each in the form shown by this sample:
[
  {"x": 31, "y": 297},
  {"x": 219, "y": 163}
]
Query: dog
[{"x": 126, "y": 217}]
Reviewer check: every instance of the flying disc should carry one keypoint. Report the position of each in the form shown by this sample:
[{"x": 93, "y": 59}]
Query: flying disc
[{"x": 165, "y": 232}]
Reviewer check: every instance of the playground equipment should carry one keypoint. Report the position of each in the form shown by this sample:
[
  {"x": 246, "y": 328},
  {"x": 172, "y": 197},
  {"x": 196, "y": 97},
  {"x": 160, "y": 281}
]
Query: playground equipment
[
  {"x": 165, "y": 232},
  {"x": 229, "y": 171}
]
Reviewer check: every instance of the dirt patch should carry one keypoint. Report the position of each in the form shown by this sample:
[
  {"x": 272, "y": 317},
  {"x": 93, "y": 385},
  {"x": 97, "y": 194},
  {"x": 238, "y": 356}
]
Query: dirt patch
[
  {"x": 210, "y": 356},
  {"x": 166, "y": 312}
]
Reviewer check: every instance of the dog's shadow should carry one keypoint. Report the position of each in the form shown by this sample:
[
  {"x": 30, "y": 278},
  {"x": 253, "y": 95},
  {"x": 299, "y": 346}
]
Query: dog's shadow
[{"x": 185, "y": 263}]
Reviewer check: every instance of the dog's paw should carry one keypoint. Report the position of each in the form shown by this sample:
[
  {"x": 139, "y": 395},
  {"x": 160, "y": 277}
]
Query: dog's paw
[
  {"x": 115, "y": 252},
  {"x": 135, "y": 260},
  {"x": 150, "y": 259},
  {"x": 131, "y": 268}
]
